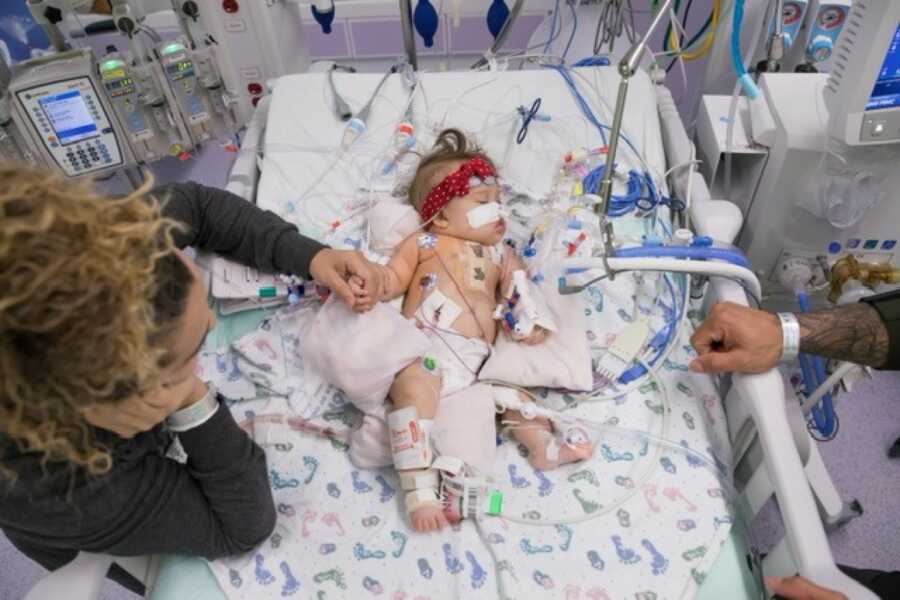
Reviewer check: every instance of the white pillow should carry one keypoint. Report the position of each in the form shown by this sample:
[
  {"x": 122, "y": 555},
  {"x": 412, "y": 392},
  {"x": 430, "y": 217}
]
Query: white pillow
[
  {"x": 390, "y": 223},
  {"x": 563, "y": 360}
]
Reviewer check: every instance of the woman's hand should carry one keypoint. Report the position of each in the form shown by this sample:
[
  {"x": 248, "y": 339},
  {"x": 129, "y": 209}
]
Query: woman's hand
[
  {"x": 736, "y": 338},
  {"x": 143, "y": 412},
  {"x": 798, "y": 588},
  {"x": 335, "y": 268}
]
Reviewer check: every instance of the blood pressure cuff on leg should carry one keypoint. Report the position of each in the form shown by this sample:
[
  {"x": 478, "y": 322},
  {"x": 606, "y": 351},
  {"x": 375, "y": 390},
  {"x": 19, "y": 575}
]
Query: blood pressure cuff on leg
[{"x": 887, "y": 306}]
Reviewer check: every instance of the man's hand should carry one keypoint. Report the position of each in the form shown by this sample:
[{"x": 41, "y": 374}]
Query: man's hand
[
  {"x": 334, "y": 268},
  {"x": 736, "y": 338},
  {"x": 798, "y": 588},
  {"x": 143, "y": 412}
]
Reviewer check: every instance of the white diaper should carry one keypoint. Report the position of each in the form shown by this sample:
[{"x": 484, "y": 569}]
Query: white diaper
[{"x": 456, "y": 358}]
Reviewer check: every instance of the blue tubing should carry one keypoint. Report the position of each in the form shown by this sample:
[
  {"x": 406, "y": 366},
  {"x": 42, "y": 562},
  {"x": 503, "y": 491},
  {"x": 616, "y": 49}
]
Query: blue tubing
[
  {"x": 813, "y": 369},
  {"x": 731, "y": 256}
]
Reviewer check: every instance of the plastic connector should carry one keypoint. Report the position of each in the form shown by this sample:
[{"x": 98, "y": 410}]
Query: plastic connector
[{"x": 623, "y": 351}]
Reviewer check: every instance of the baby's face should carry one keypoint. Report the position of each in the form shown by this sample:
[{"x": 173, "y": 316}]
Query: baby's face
[{"x": 474, "y": 217}]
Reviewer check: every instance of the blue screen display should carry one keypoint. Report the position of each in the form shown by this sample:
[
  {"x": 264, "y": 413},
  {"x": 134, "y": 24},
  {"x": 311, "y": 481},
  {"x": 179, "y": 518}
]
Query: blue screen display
[
  {"x": 887, "y": 87},
  {"x": 69, "y": 117}
]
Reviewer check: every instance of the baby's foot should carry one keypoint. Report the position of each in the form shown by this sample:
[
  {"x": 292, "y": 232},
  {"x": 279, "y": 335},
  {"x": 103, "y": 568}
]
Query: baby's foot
[
  {"x": 428, "y": 518},
  {"x": 554, "y": 454}
]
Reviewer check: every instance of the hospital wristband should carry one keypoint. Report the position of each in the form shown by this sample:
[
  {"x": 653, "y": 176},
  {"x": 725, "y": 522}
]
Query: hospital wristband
[
  {"x": 790, "y": 336},
  {"x": 196, "y": 414}
]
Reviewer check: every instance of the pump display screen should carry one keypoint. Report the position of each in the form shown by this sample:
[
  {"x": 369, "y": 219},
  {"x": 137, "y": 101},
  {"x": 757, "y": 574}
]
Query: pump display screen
[
  {"x": 182, "y": 68},
  {"x": 887, "y": 88},
  {"x": 69, "y": 116}
]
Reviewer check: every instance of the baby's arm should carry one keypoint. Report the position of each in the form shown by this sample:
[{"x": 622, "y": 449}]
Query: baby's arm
[
  {"x": 511, "y": 263},
  {"x": 395, "y": 276}
]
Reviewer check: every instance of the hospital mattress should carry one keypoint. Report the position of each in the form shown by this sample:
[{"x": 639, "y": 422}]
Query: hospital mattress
[{"x": 636, "y": 520}]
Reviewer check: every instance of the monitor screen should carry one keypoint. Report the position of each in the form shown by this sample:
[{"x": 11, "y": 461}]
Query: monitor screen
[
  {"x": 69, "y": 116},
  {"x": 887, "y": 87}
]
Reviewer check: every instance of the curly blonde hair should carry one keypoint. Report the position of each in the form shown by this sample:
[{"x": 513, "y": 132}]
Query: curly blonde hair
[{"x": 78, "y": 323}]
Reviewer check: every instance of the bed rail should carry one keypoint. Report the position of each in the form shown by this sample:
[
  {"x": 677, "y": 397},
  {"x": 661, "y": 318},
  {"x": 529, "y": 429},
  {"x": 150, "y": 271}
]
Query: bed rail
[{"x": 761, "y": 397}]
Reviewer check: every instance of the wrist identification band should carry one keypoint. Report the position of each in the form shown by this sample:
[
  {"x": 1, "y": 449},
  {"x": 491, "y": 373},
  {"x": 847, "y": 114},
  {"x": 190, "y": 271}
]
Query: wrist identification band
[
  {"x": 196, "y": 414},
  {"x": 790, "y": 336}
]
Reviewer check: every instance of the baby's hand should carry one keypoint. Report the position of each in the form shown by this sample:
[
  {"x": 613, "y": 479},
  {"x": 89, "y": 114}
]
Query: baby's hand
[
  {"x": 363, "y": 301},
  {"x": 538, "y": 335}
]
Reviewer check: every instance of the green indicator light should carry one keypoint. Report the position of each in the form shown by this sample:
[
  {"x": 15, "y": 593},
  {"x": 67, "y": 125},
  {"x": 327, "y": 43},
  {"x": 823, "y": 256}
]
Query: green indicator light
[{"x": 268, "y": 292}]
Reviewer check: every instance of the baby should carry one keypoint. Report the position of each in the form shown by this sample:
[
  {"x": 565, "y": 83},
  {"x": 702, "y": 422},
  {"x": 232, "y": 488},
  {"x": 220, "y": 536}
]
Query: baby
[{"x": 453, "y": 275}]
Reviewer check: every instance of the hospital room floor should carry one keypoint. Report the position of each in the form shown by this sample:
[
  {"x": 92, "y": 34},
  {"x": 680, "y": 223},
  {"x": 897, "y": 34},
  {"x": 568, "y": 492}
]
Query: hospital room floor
[{"x": 857, "y": 458}]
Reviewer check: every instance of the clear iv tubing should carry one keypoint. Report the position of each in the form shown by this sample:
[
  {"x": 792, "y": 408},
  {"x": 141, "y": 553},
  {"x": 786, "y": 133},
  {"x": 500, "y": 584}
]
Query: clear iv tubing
[
  {"x": 685, "y": 252},
  {"x": 660, "y": 440}
]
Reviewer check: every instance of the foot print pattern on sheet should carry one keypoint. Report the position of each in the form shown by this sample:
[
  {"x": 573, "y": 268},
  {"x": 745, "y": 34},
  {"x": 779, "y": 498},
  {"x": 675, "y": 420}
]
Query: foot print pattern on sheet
[
  {"x": 495, "y": 538},
  {"x": 362, "y": 553},
  {"x": 386, "y": 492},
  {"x": 529, "y": 548},
  {"x": 325, "y": 549},
  {"x": 692, "y": 459},
  {"x": 588, "y": 506},
  {"x": 517, "y": 481},
  {"x": 686, "y": 525},
  {"x": 649, "y": 495},
  {"x": 332, "y": 520},
  {"x": 595, "y": 560},
  {"x": 478, "y": 574},
  {"x": 334, "y": 575},
  {"x": 626, "y": 555},
  {"x": 280, "y": 483},
  {"x": 612, "y": 456},
  {"x": 625, "y": 482},
  {"x": 585, "y": 475},
  {"x": 452, "y": 563},
  {"x": 333, "y": 490},
  {"x": 543, "y": 580},
  {"x": 308, "y": 517},
  {"x": 674, "y": 494},
  {"x": 624, "y": 517},
  {"x": 235, "y": 578},
  {"x": 263, "y": 575},
  {"x": 275, "y": 540},
  {"x": 694, "y": 553},
  {"x": 291, "y": 585},
  {"x": 372, "y": 585},
  {"x": 660, "y": 563},
  {"x": 572, "y": 592},
  {"x": 400, "y": 539},
  {"x": 567, "y": 533},
  {"x": 546, "y": 486},
  {"x": 425, "y": 569},
  {"x": 312, "y": 464},
  {"x": 597, "y": 594},
  {"x": 359, "y": 486},
  {"x": 667, "y": 464}
]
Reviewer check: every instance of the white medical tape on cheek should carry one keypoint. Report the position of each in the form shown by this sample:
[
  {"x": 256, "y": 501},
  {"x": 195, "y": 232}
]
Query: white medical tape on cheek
[{"x": 484, "y": 214}]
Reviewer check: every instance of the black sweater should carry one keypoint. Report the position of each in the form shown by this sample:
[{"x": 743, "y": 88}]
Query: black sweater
[{"x": 216, "y": 505}]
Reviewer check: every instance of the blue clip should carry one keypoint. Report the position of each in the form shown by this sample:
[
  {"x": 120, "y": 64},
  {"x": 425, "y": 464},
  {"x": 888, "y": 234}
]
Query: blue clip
[{"x": 702, "y": 241}]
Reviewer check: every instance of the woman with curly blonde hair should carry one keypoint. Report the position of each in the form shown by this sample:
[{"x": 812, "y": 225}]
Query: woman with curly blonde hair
[{"x": 102, "y": 318}]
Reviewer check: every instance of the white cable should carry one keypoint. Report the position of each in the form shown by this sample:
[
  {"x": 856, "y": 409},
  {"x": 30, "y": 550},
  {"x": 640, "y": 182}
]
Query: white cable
[
  {"x": 826, "y": 386},
  {"x": 651, "y": 467},
  {"x": 675, "y": 265}
]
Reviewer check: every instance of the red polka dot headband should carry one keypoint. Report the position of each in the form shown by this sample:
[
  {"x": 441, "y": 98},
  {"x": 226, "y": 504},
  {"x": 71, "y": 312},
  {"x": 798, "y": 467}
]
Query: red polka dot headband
[{"x": 454, "y": 185}]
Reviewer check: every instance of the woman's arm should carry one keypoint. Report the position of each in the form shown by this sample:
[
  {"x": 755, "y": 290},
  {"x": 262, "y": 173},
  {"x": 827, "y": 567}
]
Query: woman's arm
[
  {"x": 224, "y": 223},
  {"x": 217, "y": 504}
]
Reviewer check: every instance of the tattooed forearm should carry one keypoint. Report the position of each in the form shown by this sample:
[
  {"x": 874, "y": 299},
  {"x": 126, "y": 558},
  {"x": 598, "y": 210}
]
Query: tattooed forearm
[{"x": 854, "y": 332}]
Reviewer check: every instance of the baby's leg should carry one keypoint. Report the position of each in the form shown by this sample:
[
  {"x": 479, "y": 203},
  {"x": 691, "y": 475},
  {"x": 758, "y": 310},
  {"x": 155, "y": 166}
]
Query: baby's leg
[
  {"x": 545, "y": 452},
  {"x": 415, "y": 395}
]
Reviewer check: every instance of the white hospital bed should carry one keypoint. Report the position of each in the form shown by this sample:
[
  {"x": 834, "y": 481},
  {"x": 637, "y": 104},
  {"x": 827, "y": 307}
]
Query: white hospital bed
[{"x": 297, "y": 146}]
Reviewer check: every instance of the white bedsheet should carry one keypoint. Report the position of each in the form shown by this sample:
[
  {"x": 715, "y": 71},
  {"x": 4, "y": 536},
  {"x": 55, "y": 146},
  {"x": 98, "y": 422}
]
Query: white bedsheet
[{"x": 341, "y": 532}]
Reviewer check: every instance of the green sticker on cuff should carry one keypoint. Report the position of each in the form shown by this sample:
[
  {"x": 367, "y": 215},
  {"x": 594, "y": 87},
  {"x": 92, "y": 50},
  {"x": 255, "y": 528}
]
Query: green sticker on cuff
[
  {"x": 496, "y": 503},
  {"x": 429, "y": 363}
]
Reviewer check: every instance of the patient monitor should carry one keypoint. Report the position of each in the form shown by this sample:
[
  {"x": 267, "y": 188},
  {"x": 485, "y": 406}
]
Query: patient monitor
[{"x": 863, "y": 91}]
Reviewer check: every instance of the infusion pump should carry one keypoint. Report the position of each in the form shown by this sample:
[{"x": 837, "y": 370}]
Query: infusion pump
[{"x": 62, "y": 112}]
